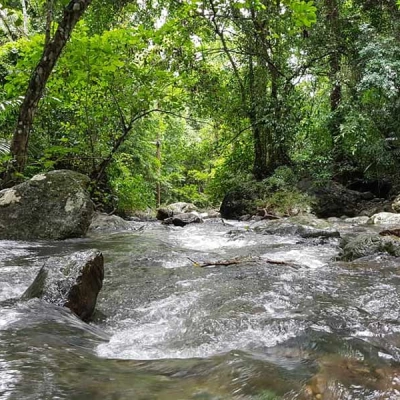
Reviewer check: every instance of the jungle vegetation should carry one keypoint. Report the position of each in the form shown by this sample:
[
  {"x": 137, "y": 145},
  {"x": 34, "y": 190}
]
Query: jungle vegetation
[{"x": 181, "y": 100}]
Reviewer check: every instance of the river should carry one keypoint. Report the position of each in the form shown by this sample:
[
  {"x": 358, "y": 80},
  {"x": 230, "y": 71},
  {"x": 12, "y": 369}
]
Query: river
[{"x": 286, "y": 322}]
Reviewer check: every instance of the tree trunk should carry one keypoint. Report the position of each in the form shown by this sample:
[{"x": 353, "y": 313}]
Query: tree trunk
[
  {"x": 37, "y": 83},
  {"x": 333, "y": 23},
  {"x": 25, "y": 17},
  {"x": 260, "y": 141}
]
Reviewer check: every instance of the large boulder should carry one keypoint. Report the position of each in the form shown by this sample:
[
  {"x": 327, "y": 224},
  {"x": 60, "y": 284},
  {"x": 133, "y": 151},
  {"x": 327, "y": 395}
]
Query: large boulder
[
  {"x": 72, "y": 281},
  {"x": 368, "y": 244},
  {"x": 182, "y": 207},
  {"x": 335, "y": 200},
  {"x": 53, "y": 205},
  {"x": 242, "y": 200},
  {"x": 183, "y": 219},
  {"x": 174, "y": 209},
  {"x": 378, "y": 187}
]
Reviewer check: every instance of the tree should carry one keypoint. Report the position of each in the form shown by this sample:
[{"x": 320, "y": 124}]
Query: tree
[
  {"x": 37, "y": 83},
  {"x": 258, "y": 39}
]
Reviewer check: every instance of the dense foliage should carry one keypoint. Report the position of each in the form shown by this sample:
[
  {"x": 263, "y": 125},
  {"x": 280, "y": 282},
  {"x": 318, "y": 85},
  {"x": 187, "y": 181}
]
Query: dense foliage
[{"x": 182, "y": 100}]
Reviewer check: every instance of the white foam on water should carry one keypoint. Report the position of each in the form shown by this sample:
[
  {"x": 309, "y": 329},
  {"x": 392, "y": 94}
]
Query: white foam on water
[
  {"x": 156, "y": 325},
  {"x": 208, "y": 242},
  {"x": 176, "y": 328},
  {"x": 8, "y": 317},
  {"x": 8, "y": 291},
  {"x": 310, "y": 257}
]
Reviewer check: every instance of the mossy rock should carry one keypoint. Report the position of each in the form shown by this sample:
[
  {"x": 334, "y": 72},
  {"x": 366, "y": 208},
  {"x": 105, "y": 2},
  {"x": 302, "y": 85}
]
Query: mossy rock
[
  {"x": 368, "y": 244},
  {"x": 53, "y": 205}
]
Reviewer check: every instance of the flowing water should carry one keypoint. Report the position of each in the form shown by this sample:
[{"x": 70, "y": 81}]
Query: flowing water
[{"x": 286, "y": 322}]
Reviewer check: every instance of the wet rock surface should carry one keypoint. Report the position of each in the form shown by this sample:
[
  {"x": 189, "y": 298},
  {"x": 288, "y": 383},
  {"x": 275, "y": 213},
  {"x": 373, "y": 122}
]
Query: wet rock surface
[
  {"x": 54, "y": 205},
  {"x": 73, "y": 281},
  {"x": 183, "y": 219},
  {"x": 109, "y": 223},
  {"x": 286, "y": 227},
  {"x": 368, "y": 244},
  {"x": 174, "y": 209},
  {"x": 385, "y": 218}
]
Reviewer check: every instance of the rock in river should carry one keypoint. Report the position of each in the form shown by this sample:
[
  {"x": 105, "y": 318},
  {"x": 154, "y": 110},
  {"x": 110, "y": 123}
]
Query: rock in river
[
  {"x": 72, "y": 281},
  {"x": 109, "y": 223},
  {"x": 385, "y": 218},
  {"x": 183, "y": 219},
  {"x": 368, "y": 244},
  {"x": 54, "y": 205},
  {"x": 174, "y": 209},
  {"x": 287, "y": 227}
]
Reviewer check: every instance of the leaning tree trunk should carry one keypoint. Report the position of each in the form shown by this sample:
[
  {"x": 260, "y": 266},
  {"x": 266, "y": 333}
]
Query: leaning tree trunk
[{"x": 37, "y": 83}]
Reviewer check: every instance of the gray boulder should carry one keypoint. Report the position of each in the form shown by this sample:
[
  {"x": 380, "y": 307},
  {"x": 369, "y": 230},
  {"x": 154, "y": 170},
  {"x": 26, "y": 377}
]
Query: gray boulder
[
  {"x": 174, "y": 209},
  {"x": 385, "y": 218},
  {"x": 368, "y": 244},
  {"x": 109, "y": 223},
  {"x": 183, "y": 219},
  {"x": 357, "y": 220},
  {"x": 182, "y": 207},
  {"x": 53, "y": 205},
  {"x": 72, "y": 281}
]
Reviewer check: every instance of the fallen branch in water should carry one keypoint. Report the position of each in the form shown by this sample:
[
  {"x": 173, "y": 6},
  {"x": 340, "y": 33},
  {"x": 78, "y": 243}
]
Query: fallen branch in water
[
  {"x": 236, "y": 261},
  {"x": 276, "y": 262},
  {"x": 217, "y": 263},
  {"x": 390, "y": 232}
]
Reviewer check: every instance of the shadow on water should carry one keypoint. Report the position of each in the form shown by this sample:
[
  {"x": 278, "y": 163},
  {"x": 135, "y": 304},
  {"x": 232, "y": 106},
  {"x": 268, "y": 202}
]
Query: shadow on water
[{"x": 286, "y": 323}]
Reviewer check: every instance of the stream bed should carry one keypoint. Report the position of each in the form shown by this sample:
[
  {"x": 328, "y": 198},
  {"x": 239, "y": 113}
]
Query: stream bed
[{"x": 286, "y": 322}]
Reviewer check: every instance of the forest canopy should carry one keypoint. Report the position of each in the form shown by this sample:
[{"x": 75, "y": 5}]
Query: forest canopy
[{"x": 162, "y": 101}]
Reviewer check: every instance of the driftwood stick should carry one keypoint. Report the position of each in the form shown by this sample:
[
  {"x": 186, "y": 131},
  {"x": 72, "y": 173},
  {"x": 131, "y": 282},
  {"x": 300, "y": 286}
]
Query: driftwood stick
[
  {"x": 236, "y": 261},
  {"x": 217, "y": 263}
]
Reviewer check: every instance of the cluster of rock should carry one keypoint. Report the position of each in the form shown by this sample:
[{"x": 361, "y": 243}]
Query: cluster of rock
[
  {"x": 56, "y": 205},
  {"x": 331, "y": 200},
  {"x": 182, "y": 214}
]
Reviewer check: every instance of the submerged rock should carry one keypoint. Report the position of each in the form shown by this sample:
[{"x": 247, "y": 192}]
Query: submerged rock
[
  {"x": 285, "y": 228},
  {"x": 72, "y": 281},
  {"x": 368, "y": 244},
  {"x": 183, "y": 219},
  {"x": 54, "y": 205}
]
